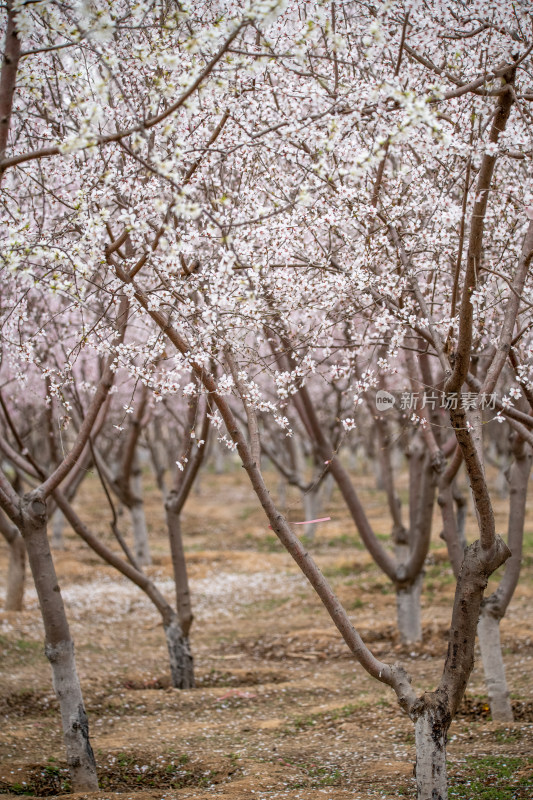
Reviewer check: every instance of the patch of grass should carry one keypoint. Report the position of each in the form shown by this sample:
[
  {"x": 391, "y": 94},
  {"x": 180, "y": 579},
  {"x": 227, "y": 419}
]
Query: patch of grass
[
  {"x": 28, "y": 645},
  {"x": 344, "y": 570},
  {"x": 269, "y": 543},
  {"x": 21, "y": 788},
  {"x": 316, "y": 775},
  {"x": 323, "y": 775},
  {"x": 345, "y": 540},
  {"x": 493, "y": 778},
  {"x": 507, "y": 735},
  {"x": 13, "y": 649},
  {"x": 298, "y": 724},
  {"x": 268, "y": 604},
  {"x": 43, "y": 781},
  {"x": 207, "y": 778}
]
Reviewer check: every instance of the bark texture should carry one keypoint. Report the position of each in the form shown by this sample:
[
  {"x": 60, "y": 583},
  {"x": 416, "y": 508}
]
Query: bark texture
[
  {"x": 8, "y": 78},
  {"x": 478, "y": 566},
  {"x": 59, "y": 647},
  {"x": 430, "y": 739},
  {"x": 180, "y": 657},
  {"x": 80, "y": 757},
  {"x": 183, "y": 595}
]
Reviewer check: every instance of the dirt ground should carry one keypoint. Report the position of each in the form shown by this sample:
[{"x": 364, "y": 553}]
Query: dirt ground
[{"x": 281, "y": 710}]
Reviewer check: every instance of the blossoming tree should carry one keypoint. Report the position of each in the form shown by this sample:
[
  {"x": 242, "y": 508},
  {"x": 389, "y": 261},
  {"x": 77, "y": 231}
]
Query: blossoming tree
[{"x": 280, "y": 172}]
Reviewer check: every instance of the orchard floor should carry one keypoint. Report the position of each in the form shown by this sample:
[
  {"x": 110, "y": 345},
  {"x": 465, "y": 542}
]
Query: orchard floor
[{"x": 281, "y": 709}]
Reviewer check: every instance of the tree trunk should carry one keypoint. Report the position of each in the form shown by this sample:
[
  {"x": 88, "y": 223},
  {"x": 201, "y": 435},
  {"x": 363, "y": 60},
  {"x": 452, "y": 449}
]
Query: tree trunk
[
  {"x": 311, "y": 503},
  {"x": 140, "y": 534},
  {"x": 16, "y": 575},
  {"x": 408, "y": 602},
  {"x": 178, "y": 627},
  {"x": 408, "y": 611},
  {"x": 450, "y": 532},
  {"x": 138, "y": 520},
  {"x": 58, "y": 526},
  {"x": 430, "y": 739},
  {"x": 59, "y": 647},
  {"x": 461, "y": 506},
  {"x": 378, "y": 475},
  {"x": 158, "y": 454},
  {"x": 491, "y": 654},
  {"x": 328, "y": 484},
  {"x": 179, "y": 565},
  {"x": 494, "y": 607},
  {"x": 181, "y": 660}
]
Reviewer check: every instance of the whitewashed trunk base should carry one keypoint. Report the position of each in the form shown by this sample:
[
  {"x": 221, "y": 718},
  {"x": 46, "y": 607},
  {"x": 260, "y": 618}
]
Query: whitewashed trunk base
[
  {"x": 181, "y": 660},
  {"x": 488, "y": 630},
  {"x": 80, "y": 756},
  {"x": 408, "y": 612},
  {"x": 430, "y": 738},
  {"x": 140, "y": 535},
  {"x": 58, "y": 527},
  {"x": 311, "y": 504}
]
